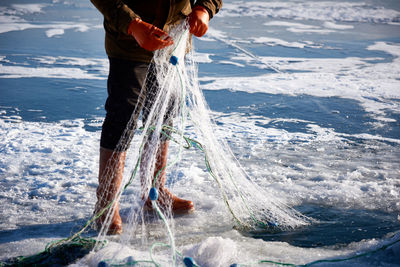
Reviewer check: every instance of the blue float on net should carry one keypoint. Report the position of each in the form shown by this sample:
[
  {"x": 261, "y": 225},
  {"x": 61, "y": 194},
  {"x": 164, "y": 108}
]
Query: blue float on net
[
  {"x": 102, "y": 264},
  {"x": 173, "y": 60},
  {"x": 273, "y": 224},
  {"x": 188, "y": 261},
  {"x": 153, "y": 194},
  {"x": 130, "y": 261}
]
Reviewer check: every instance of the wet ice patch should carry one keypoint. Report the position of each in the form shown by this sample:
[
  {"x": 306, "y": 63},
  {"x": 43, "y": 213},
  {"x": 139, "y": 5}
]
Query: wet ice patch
[
  {"x": 15, "y": 13},
  {"x": 54, "y": 67},
  {"x": 54, "y": 32},
  {"x": 59, "y": 29},
  {"x": 302, "y": 27},
  {"x": 72, "y": 61},
  {"x": 288, "y": 24},
  {"x": 14, "y": 18},
  {"x": 374, "y": 85},
  {"x": 299, "y": 27},
  {"x": 27, "y": 8},
  {"x": 275, "y": 41},
  {"x": 59, "y": 73},
  {"x": 53, "y": 29},
  {"x": 322, "y": 11},
  {"x": 332, "y": 25}
]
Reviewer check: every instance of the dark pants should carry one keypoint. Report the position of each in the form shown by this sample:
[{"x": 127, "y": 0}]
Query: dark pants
[{"x": 127, "y": 97}]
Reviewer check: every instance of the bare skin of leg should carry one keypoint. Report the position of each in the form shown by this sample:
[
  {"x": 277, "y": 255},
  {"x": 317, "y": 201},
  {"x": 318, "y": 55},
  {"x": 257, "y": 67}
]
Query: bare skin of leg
[
  {"x": 166, "y": 199},
  {"x": 111, "y": 169}
]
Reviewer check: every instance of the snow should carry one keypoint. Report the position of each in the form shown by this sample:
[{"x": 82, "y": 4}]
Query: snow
[{"x": 48, "y": 169}]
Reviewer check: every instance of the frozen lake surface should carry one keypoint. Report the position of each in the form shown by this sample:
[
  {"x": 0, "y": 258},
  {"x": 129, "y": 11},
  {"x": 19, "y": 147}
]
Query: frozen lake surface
[{"x": 306, "y": 93}]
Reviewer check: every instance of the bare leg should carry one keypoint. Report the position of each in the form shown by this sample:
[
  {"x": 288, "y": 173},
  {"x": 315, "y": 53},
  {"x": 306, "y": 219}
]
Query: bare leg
[
  {"x": 111, "y": 169},
  {"x": 166, "y": 199}
]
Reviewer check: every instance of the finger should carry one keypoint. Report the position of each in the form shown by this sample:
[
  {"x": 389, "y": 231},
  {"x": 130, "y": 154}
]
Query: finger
[
  {"x": 202, "y": 31},
  {"x": 193, "y": 27},
  {"x": 159, "y": 44},
  {"x": 161, "y": 37},
  {"x": 167, "y": 38},
  {"x": 158, "y": 32},
  {"x": 166, "y": 42}
]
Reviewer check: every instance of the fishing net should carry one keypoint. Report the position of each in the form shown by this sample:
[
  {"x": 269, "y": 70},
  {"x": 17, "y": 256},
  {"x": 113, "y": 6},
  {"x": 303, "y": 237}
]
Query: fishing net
[{"x": 179, "y": 115}]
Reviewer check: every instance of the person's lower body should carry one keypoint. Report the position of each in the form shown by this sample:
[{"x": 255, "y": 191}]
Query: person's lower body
[{"x": 126, "y": 98}]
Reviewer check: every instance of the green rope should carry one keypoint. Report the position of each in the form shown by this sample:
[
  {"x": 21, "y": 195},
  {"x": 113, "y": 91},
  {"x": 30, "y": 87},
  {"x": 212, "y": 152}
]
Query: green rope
[{"x": 170, "y": 235}]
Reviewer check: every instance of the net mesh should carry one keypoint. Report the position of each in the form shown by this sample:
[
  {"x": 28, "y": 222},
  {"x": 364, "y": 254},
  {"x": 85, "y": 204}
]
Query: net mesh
[
  {"x": 178, "y": 114},
  {"x": 179, "y": 110}
]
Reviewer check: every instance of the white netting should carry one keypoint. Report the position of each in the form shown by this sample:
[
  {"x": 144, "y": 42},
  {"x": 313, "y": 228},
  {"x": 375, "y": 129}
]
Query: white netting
[{"x": 174, "y": 73}]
